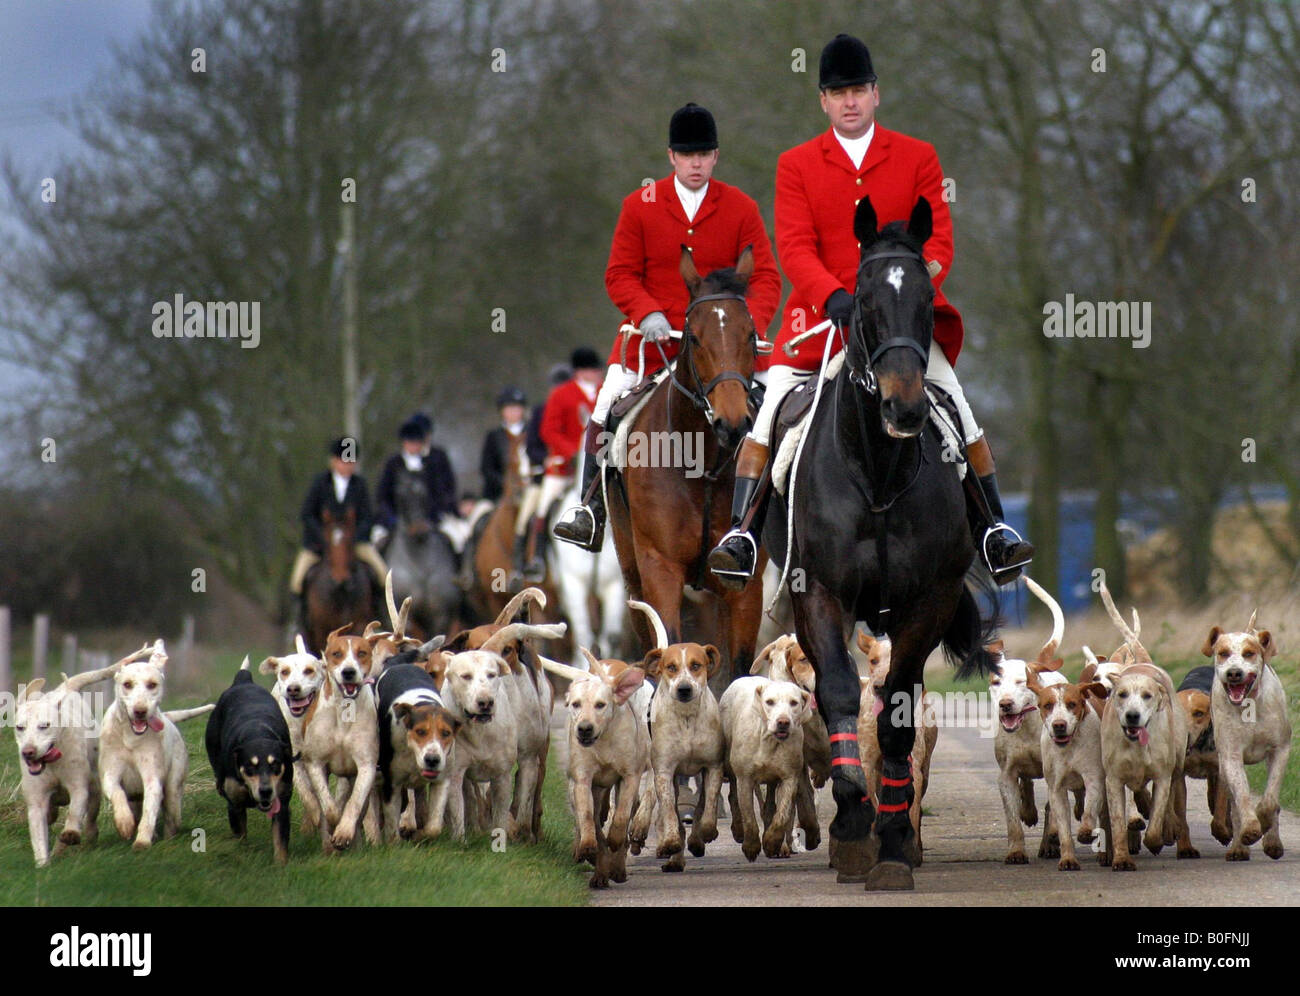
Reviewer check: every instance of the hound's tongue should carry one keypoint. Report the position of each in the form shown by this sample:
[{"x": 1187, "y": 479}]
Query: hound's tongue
[
  {"x": 1237, "y": 692},
  {"x": 350, "y": 689},
  {"x": 275, "y": 807},
  {"x": 156, "y": 724},
  {"x": 1010, "y": 722},
  {"x": 52, "y": 755},
  {"x": 878, "y": 706}
]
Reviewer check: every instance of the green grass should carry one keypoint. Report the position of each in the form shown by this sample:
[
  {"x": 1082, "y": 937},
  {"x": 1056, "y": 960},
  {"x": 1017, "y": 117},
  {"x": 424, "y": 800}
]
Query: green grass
[
  {"x": 226, "y": 872},
  {"x": 1287, "y": 667}
]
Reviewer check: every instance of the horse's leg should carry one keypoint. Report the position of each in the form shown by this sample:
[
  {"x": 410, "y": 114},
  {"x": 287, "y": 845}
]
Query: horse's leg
[
  {"x": 744, "y": 610},
  {"x": 661, "y": 586},
  {"x": 819, "y": 621},
  {"x": 896, "y": 732}
]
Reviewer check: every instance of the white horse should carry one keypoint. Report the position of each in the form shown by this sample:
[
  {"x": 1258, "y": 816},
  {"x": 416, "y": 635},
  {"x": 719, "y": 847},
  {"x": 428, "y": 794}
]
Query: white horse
[{"x": 577, "y": 576}]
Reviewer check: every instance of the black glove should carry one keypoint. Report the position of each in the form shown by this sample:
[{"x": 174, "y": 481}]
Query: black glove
[{"x": 839, "y": 308}]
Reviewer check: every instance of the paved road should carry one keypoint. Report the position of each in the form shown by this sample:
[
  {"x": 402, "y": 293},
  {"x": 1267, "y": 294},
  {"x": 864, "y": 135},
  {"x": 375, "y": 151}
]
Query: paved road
[{"x": 965, "y": 843}]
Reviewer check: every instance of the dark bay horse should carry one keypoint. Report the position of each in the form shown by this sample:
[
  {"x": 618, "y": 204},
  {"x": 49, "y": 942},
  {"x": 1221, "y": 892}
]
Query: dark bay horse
[
  {"x": 872, "y": 481},
  {"x": 657, "y": 512},
  {"x": 339, "y": 589},
  {"x": 422, "y": 560}
]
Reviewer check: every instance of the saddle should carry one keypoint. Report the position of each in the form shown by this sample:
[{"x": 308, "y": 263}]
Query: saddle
[{"x": 791, "y": 417}]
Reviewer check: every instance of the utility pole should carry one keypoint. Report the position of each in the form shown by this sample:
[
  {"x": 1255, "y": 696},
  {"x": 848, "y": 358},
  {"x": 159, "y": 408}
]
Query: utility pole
[{"x": 347, "y": 250}]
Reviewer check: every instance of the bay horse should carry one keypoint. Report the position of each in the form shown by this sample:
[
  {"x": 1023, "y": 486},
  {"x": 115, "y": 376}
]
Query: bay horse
[
  {"x": 880, "y": 534},
  {"x": 666, "y": 519},
  {"x": 422, "y": 560},
  {"x": 494, "y": 556},
  {"x": 339, "y": 589}
]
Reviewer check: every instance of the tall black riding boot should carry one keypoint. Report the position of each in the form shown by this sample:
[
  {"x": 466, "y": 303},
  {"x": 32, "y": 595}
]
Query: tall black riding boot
[
  {"x": 733, "y": 559},
  {"x": 584, "y": 525},
  {"x": 1003, "y": 550}
]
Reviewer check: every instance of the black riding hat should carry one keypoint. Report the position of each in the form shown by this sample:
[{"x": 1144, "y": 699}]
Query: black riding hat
[
  {"x": 585, "y": 358},
  {"x": 692, "y": 129},
  {"x": 511, "y": 395},
  {"x": 411, "y": 429},
  {"x": 845, "y": 62}
]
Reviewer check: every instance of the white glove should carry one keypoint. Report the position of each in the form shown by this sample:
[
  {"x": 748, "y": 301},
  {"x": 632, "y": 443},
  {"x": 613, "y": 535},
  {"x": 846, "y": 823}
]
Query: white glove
[
  {"x": 655, "y": 327},
  {"x": 378, "y": 534}
]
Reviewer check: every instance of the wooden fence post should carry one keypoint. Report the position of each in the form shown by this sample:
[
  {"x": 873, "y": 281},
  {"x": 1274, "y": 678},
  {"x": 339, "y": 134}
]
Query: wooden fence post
[
  {"x": 40, "y": 643},
  {"x": 6, "y": 670}
]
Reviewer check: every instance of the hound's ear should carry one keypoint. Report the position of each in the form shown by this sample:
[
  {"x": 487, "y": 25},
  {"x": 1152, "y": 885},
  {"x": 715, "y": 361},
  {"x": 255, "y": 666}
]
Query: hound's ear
[
  {"x": 300, "y": 643},
  {"x": 341, "y": 631},
  {"x": 865, "y": 642},
  {"x": 805, "y": 713},
  {"x": 32, "y": 687},
  {"x": 921, "y": 224},
  {"x": 1215, "y": 633},
  {"x": 435, "y": 665},
  {"x": 1267, "y": 644},
  {"x": 627, "y": 683},
  {"x": 402, "y": 711},
  {"x": 715, "y": 660},
  {"x": 759, "y": 689},
  {"x": 269, "y": 666},
  {"x": 503, "y": 667},
  {"x": 686, "y": 267},
  {"x": 1095, "y": 688},
  {"x": 458, "y": 643},
  {"x": 865, "y": 226},
  {"x": 763, "y": 659},
  {"x": 653, "y": 662}
]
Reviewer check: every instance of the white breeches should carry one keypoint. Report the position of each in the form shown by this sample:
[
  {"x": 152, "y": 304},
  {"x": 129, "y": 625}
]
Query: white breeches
[
  {"x": 782, "y": 379},
  {"x": 538, "y": 499},
  {"x": 617, "y": 382}
]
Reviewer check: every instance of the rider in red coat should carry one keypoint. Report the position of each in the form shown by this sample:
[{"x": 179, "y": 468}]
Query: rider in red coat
[
  {"x": 716, "y": 221},
  {"x": 818, "y": 187},
  {"x": 565, "y": 418}
]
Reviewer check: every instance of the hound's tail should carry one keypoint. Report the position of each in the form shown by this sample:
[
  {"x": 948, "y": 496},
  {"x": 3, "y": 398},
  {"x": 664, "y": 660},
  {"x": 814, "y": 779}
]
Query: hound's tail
[
  {"x": 965, "y": 644},
  {"x": 181, "y": 715}
]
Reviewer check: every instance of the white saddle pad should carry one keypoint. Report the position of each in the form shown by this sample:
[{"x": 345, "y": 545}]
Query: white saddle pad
[{"x": 617, "y": 454}]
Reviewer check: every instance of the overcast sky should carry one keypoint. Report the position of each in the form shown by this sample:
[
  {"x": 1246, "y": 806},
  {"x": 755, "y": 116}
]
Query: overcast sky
[{"x": 50, "y": 51}]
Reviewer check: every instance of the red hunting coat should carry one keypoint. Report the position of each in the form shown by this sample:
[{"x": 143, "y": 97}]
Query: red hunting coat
[
  {"x": 817, "y": 191},
  {"x": 643, "y": 274},
  {"x": 564, "y": 423}
]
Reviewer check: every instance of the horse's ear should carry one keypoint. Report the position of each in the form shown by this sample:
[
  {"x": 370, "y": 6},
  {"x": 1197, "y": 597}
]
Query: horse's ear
[
  {"x": 921, "y": 225},
  {"x": 865, "y": 226},
  {"x": 687, "y": 269},
  {"x": 745, "y": 264}
]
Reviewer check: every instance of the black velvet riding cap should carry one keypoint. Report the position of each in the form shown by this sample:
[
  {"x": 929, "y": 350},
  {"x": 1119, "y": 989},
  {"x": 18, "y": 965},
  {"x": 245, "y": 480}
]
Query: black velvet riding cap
[
  {"x": 692, "y": 129},
  {"x": 845, "y": 62}
]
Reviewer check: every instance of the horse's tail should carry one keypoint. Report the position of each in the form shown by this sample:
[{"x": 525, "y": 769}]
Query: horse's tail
[{"x": 969, "y": 634}]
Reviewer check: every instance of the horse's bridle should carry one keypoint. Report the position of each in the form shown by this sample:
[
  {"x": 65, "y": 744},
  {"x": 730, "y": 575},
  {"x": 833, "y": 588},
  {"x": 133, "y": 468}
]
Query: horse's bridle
[
  {"x": 700, "y": 396},
  {"x": 866, "y": 377}
]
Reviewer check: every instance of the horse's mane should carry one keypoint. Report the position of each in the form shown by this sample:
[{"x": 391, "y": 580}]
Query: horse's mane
[{"x": 725, "y": 281}]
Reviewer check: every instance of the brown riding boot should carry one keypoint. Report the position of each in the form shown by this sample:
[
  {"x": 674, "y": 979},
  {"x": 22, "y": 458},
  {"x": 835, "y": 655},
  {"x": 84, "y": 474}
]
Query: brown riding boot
[{"x": 733, "y": 559}]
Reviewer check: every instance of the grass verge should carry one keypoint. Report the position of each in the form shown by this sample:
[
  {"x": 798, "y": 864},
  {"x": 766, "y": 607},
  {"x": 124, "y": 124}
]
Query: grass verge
[{"x": 205, "y": 866}]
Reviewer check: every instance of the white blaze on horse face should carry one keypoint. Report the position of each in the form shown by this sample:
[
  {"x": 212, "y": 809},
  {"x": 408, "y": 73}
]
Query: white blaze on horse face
[
  {"x": 722, "y": 316},
  {"x": 895, "y": 278}
]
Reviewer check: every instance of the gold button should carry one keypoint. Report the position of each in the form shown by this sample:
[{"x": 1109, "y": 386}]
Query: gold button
[
  {"x": 857, "y": 202},
  {"x": 690, "y": 231},
  {"x": 859, "y": 181},
  {"x": 859, "y": 245}
]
